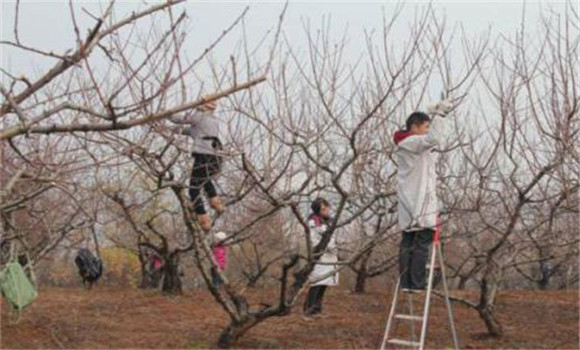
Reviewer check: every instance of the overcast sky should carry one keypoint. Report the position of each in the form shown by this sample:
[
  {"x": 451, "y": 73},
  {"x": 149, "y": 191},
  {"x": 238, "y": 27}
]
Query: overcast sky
[{"x": 47, "y": 24}]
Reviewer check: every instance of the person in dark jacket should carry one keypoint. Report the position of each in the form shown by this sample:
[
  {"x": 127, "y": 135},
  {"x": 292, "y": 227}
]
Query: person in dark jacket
[
  {"x": 90, "y": 267},
  {"x": 203, "y": 127}
]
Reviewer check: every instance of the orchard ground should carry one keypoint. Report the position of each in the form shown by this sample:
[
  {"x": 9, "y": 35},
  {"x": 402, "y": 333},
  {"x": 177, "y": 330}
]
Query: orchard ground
[{"x": 106, "y": 317}]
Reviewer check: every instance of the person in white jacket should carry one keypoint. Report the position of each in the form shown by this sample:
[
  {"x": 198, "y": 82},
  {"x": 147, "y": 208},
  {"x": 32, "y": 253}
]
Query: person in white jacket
[
  {"x": 203, "y": 127},
  {"x": 325, "y": 273},
  {"x": 416, "y": 190}
]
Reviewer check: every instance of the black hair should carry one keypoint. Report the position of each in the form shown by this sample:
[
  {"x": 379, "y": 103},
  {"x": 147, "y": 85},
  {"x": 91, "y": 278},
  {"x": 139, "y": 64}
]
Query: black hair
[
  {"x": 416, "y": 118},
  {"x": 318, "y": 203}
]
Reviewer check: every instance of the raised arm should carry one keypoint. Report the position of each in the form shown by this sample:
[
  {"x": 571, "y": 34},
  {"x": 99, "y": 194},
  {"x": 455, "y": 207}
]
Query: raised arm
[
  {"x": 421, "y": 143},
  {"x": 184, "y": 123},
  {"x": 190, "y": 119}
]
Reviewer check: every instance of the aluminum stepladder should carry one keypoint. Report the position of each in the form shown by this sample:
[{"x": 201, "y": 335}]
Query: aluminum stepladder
[{"x": 436, "y": 251}]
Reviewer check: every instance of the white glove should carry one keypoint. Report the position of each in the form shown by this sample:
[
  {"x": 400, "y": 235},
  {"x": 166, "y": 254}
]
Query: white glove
[{"x": 441, "y": 108}]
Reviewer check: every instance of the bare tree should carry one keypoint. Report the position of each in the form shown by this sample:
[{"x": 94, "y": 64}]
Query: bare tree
[
  {"x": 320, "y": 126},
  {"x": 519, "y": 175},
  {"x": 99, "y": 86}
]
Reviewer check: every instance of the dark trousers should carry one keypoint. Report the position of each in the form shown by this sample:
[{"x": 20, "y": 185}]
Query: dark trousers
[
  {"x": 313, "y": 303},
  {"x": 205, "y": 167},
  {"x": 215, "y": 277},
  {"x": 413, "y": 254}
]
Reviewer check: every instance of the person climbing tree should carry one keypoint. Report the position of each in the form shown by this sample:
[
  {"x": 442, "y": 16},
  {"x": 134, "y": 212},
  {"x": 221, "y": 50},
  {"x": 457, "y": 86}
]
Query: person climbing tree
[
  {"x": 417, "y": 197},
  {"x": 324, "y": 273},
  {"x": 203, "y": 127}
]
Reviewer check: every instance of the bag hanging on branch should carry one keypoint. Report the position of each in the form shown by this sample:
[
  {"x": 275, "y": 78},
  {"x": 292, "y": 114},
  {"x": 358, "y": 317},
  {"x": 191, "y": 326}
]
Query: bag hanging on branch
[{"x": 16, "y": 287}]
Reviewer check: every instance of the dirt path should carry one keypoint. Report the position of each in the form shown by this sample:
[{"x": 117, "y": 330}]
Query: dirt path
[{"x": 114, "y": 318}]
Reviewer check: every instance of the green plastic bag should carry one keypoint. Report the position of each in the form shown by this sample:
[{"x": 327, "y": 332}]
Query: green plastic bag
[{"x": 16, "y": 287}]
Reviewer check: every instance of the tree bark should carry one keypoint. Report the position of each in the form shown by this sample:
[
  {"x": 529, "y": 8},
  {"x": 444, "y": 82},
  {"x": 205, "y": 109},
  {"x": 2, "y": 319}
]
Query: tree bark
[
  {"x": 233, "y": 332},
  {"x": 171, "y": 278},
  {"x": 493, "y": 326},
  {"x": 462, "y": 282},
  {"x": 149, "y": 279},
  {"x": 489, "y": 288},
  {"x": 362, "y": 274},
  {"x": 361, "y": 281}
]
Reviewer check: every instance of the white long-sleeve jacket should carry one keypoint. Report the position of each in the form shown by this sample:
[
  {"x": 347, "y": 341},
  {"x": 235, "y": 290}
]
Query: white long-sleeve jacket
[
  {"x": 417, "y": 179},
  {"x": 324, "y": 274}
]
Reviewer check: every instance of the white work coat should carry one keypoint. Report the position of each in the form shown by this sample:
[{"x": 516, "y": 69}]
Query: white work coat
[
  {"x": 417, "y": 180},
  {"x": 325, "y": 274}
]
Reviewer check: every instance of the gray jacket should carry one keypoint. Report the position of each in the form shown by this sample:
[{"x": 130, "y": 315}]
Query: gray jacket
[{"x": 200, "y": 126}]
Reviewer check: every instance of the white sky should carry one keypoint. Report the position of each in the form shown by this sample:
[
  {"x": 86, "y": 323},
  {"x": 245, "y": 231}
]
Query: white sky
[{"x": 47, "y": 24}]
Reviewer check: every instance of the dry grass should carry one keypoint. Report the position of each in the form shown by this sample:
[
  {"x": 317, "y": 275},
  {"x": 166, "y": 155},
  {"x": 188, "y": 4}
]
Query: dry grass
[{"x": 125, "y": 318}]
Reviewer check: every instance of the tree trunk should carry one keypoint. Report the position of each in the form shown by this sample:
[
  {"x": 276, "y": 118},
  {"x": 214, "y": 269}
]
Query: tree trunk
[
  {"x": 171, "y": 277},
  {"x": 362, "y": 274},
  {"x": 252, "y": 281},
  {"x": 545, "y": 275},
  {"x": 254, "y": 277},
  {"x": 545, "y": 268},
  {"x": 234, "y": 331},
  {"x": 493, "y": 326},
  {"x": 462, "y": 282},
  {"x": 544, "y": 282},
  {"x": 361, "y": 280},
  {"x": 150, "y": 279},
  {"x": 246, "y": 320},
  {"x": 489, "y": 289},
  {"x": 147, "y": 281}
]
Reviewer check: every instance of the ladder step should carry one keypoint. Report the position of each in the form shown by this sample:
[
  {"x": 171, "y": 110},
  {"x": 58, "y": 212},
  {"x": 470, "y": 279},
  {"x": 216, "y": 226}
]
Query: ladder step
[
  {"x": 413, "y": 291},
  {"x": 403, "y": 342},
  {"x": 408, "y": 317}
]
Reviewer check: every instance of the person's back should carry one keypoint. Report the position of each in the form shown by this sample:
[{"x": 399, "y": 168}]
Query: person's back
[
  {"x": 203, "y": 127},
  {"x": 416, "y": 190},
  {"x": 90, "y": 267},
  {"x": 416, "y": 174}
]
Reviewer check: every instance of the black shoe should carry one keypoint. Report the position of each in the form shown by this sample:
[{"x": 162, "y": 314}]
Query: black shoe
[{"x": 309, "y": 312}]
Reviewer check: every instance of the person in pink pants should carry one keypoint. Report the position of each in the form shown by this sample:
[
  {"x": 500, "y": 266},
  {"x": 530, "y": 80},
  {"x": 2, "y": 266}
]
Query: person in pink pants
[{"x": 220, "y": 255}]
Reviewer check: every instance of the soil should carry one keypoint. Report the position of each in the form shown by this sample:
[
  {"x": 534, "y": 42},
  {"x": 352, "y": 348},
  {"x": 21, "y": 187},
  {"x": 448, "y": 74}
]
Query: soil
[{"x": 127, "y": 318}]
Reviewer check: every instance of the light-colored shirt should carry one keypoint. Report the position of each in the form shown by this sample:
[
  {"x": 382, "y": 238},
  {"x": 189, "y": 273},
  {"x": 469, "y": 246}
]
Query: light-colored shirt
[
  {"x": 417, "y": 179},
  {"x": 200, "y": 126}
]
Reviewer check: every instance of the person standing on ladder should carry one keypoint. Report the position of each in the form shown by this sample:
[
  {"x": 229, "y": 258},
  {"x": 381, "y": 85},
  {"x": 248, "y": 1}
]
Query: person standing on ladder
[
  {"x": 203, "y": 127},
  {"x": 417, "y": 197}
]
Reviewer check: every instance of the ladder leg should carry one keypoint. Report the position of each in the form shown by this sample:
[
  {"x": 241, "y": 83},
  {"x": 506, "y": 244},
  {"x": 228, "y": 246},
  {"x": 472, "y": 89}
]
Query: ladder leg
[
  {"x": 391, "y": 314},
  {"x": 427, "y": 298},
  {"x": 447, "y": 301},
  {"x": 412, "y": 313}
]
